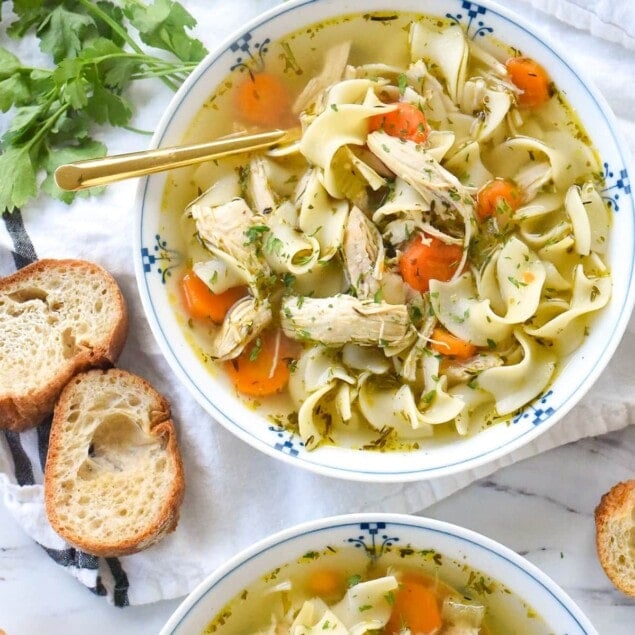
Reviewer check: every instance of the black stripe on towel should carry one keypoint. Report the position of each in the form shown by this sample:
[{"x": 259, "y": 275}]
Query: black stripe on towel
[
  {"x": 120, "y": 595},
  {"x": 43, "y": 433},
  {"x": 99, "y": 588},
  {"x": 23, "y": 250},
  {"x": 21, "y": 462},
  {"x": 73, "y": 557}
]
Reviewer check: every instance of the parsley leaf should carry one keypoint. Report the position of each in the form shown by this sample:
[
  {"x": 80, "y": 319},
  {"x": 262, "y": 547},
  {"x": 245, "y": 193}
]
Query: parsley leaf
[
  {"x": 96, "y": 49},
  {"x": 9, "y": 63},
  {"x": 163, "y": 25},
  {"x": 63, "y": 32},
  {"x": 18, "y": 176}
]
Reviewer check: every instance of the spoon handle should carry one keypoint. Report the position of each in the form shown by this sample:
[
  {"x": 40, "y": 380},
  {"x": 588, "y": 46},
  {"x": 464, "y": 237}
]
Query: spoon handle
[{"x": 92, "y": 172}]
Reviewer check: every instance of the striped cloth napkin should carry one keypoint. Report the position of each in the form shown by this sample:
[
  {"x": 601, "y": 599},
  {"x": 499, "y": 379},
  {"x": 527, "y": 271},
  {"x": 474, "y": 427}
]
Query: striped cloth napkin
[{"x": 236, "y": 495}]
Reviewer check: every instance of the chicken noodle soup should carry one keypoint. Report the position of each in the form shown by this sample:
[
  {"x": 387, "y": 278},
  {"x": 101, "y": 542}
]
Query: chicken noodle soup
[
  {"x": 342, "y": 592},
  {"x": 420, "y": 260}
]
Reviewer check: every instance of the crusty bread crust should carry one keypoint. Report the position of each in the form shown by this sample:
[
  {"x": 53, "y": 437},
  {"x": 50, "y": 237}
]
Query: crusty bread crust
[
  {"x": 57, "y": 318},
  {"x": 615, "y": 535},
  {"x": 117, "y": 503}
]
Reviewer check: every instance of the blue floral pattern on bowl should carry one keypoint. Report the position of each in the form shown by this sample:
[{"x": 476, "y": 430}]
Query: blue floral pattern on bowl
[
  {"x": 374, "y": 544},
  {"x": 162, "y": 257},
  {"x": 252, "y": 56},
  {"x": 538, "y": 409},
  {"x": 287, "y": 442},
  {"x": 617, "y": 184},
  {"x": 473, "y": 27}
]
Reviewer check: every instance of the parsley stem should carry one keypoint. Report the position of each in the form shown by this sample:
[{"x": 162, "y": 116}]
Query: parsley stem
[
  {"x": 92, "y": 8},
  {"x": 157, "y": 73},
  {"x": 46, "y": 126},
  {"x": 147, "y": 59},
  {"x": 138, "y": 130}
]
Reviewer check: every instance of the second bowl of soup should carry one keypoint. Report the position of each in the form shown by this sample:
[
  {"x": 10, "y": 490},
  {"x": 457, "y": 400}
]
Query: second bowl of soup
[{"x": 378, "y": 573}]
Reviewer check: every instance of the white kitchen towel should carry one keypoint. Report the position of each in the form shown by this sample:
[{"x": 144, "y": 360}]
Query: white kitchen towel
[
  {"x": 236, "y": 495},
  {"x": 613, "y": 20}
]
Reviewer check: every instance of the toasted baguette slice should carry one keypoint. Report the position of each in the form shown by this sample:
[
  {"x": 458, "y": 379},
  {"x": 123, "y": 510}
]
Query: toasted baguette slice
[
  {"x": 615, "y": 535},
  {"x": 113, "y": 481},
  {"x": 57, "y": 317}
]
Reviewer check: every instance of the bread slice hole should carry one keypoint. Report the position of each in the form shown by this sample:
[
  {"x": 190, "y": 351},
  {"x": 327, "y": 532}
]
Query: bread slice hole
[
  {"x": 28, "y": 294},
  {"x": 68, "y": 343},
  {"x": 118, "y": 445}
]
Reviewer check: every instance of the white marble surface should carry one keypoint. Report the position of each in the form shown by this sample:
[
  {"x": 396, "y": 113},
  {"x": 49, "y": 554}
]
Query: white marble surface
[{"x": 541, "y": 507}]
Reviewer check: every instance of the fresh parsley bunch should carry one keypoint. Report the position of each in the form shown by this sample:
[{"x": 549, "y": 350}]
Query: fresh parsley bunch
[{"x": 98, "y": 49}]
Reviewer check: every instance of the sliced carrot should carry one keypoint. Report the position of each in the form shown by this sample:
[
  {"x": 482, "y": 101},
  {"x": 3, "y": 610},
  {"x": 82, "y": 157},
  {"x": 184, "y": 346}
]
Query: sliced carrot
[
  {"x": 416, "y": 608},
  {"x": 422, "y": 262},
  {"x": 327, "y": 584},
  {"x": 406, "y": 122},
  {"x": 531, "y": 78},
  {"x": 263, "y": 99},
  {"x": 201, "y": 303},
  {"x": 261, "y": 369},
  {"x": 499, "y": 198},
  {"x": 445, "y": 343}
]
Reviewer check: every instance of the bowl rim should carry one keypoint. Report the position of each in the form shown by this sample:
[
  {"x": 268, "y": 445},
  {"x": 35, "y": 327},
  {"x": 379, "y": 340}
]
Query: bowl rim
[
  {"x": 485, "y": 455},
  {"x": 468, "y": 536}
]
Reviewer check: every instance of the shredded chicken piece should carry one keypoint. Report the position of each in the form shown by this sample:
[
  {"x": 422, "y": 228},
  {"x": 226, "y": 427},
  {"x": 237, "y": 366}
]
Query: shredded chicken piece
[
  {"x": 335, "y": 61},
  {"x": 417, "y": 167},
  {"x": 340, "y": 319},
  {"x": 244, "y": 321},
  {"x": 260, "y": 192},
  {"x": 224, "y": 228},
  {"x": 458, "y": 371},
  {"x": 372, "y": 160},
  {"x": 363, "y": 253},
  {"x": 451, "y": 200},
  {"x": 413, "y": 359}
]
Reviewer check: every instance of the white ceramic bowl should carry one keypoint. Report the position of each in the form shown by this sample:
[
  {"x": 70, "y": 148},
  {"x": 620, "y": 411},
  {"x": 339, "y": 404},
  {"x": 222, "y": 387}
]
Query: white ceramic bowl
[
  {"x": 154, "y": 257},
  {"x": 384, "y": 535}
]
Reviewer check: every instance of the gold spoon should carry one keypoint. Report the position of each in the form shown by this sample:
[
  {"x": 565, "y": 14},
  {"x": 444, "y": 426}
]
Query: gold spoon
[{"x": 83, "y": 174}]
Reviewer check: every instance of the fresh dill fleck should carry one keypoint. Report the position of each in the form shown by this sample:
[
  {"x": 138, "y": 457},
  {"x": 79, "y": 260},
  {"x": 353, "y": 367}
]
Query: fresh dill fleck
[
  {"x": 255, "y": 351},
  {"x": 353, "y": 580},
  {"x": 273, "y": 245},
  {"x": 516, "y": 283},
  {"x": 402, "y": 82},
  {"x": 254, "y": 233},
  {"x": 428, "y": 397}
]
